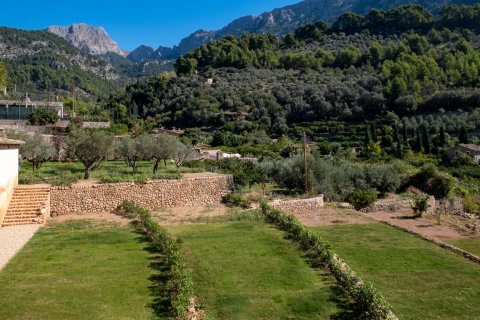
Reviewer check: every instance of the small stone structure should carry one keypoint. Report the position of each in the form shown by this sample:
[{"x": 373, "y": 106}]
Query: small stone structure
[
  {"x": 299, "y": 205},
  {"x": 151, "y": 195},
  {"x": 393, "y": 206},
  {"x": 472, "y": 150}
]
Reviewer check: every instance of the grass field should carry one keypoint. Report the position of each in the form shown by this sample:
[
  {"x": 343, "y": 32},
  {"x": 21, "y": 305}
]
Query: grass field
[
  {"x": 471, "y": 245},
  {"x": 247, "y": 270},
  {"x": 78, "y": 270},
  {"x": 419, "y": 279},
  {"x": 60, "y": 173}
]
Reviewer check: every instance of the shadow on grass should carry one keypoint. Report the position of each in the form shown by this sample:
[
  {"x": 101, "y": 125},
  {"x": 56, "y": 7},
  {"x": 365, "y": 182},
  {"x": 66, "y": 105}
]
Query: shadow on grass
[{"x": 159, "y": 289}]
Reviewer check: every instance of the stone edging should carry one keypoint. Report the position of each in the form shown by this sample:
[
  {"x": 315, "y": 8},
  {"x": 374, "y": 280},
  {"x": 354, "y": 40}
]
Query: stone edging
[{"x": 467, "y": 255}]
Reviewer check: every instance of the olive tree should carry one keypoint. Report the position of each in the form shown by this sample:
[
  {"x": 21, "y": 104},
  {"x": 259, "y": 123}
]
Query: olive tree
[
  {"x": 162, "y": 148},
  {"x": 133, "y": 150},
  {"x": 90, "y": 148},
  {"x": 182, "y": 153}
]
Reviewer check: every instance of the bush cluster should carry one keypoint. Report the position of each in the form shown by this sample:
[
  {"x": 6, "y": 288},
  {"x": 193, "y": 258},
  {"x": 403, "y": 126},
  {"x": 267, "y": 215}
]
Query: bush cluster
[
  {"x": 236, "y": 200},
  {"x": 361, "y": 199},
  {"x": 371, "y": 303},
  {"x": 179, "y": 281}
]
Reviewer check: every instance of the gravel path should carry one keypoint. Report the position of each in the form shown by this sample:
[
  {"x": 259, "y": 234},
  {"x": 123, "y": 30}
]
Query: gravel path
[{"x": 12, "y": 239}]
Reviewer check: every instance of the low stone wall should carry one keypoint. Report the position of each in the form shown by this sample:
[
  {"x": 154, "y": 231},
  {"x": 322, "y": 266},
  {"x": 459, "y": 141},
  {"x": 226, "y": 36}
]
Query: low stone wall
[
  {"x": 393, "y": 206},
  {"x": 299, "y": 205},
  {"x": 151, "y": 195}
]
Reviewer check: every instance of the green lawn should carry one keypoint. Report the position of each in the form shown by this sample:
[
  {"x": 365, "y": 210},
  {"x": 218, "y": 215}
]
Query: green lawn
[
  {"x": 419, "y": 279},
  {"x": 471, "y": 245},
  {"x": 248, "y": 271},
  {"x": 60, "y": 173},
  {"x": 78, "y": 270}
]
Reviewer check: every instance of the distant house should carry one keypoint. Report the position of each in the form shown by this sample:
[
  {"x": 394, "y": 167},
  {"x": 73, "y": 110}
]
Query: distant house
[
  {"x": 21, "y": 109},
  {"x": 471, "y": 149}
]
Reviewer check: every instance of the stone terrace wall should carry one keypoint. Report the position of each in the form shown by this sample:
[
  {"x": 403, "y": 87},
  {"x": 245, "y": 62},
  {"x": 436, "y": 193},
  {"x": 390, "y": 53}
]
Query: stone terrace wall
[
  {"x": 393, "y": 206},
  {"x": 151, "y": 195},
  {"x": 299, "y": 205}
]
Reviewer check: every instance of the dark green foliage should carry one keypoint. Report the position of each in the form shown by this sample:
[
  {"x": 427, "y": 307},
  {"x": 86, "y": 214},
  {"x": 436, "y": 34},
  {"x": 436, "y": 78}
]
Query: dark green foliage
[
  {"x": 426, "y": 141},
  {"x": 178, "y": 287},
  {"x": 442, "y": 140},
  {"x": 236, "y": 200},
  {"x": 42, "y": 117},
  {"x": 244, "y": 173},
  {"x": 433, "y": 182},
  {"x": 463, "y": 138},
  {"x": 361, "y": 199}
]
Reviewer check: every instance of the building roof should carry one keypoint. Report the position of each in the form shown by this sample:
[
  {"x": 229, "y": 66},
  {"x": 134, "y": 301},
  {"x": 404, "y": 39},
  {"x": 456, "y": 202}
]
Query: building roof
[
  {"x": 472, "y": 147},
  {"x": 10, "y": 142}
]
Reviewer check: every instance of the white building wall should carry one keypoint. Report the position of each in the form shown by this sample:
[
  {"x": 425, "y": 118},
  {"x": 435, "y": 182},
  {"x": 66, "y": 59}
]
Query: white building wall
[{"x": 8, "y": 176}]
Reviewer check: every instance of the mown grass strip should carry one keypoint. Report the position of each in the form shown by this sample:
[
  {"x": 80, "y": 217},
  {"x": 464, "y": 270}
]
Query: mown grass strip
[{"x": 372, "y": 303}]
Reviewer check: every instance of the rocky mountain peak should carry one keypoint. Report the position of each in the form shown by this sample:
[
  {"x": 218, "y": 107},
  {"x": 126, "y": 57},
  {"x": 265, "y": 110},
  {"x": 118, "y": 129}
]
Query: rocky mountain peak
[{"x": 93, "y": 40}]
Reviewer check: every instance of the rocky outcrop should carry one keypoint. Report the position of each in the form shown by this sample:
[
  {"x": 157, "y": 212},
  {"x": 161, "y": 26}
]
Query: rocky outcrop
[{"x": 89, "y": 39}]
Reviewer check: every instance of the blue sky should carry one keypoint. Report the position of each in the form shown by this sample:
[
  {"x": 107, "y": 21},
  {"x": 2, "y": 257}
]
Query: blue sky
[{"x": 131, "y": 23}]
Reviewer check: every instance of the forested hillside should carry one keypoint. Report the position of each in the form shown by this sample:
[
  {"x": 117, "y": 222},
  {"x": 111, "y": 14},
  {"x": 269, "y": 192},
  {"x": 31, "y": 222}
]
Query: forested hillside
[
  {"x": 404, "y": 65},
  {"x": 41, "y": 63}
]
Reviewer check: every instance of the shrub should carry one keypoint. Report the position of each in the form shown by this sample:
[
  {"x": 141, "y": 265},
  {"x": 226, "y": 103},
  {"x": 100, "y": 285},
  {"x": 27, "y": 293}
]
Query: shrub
[
  {"x": 236, "y": 200},
  {"x": 361, "y": 199},
  {"x": 179, "y": 284},
  {"x": 420, "y": 205},
  {"x": 471, "y": 203}
]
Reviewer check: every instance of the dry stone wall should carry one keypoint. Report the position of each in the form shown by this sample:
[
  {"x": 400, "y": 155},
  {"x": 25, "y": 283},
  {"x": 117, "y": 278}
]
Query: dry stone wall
[
  {"x": 292, "y": 206},
  {"x": 151, "y": 195},
  {"x": 393, "y": 206}
]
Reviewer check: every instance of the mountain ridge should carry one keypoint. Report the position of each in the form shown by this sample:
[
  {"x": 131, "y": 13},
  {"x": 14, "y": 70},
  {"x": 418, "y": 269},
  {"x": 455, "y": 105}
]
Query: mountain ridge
[{"x": 283, "y": 20}]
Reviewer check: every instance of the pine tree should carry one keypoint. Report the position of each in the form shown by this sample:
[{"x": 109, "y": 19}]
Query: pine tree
[
  {"x": 426, "y": 141},
  {"x": 463, "y": 138}
]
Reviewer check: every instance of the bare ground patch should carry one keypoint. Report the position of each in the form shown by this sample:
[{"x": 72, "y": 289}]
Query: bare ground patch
[
  {"x": 330, "y": 216},
  {"x": 107, "y": 217},
  {"x": 451, "y": 227},
  {"x": 184, "y": 215}
]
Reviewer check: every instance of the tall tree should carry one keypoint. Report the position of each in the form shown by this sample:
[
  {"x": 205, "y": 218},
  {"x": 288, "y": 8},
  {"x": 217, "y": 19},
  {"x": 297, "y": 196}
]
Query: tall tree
[
  {"x": 373, "y": 132},
  {"x": 368, "y": 137},
  {"x": 463, "y": 138},
  {"x": 133, "y": 150},
  {"x": 163, "y": 148},
  {"x": 442, "y": 140},
  {"x": 426, "y": 141},
  {"x": 418, "y": 141}
]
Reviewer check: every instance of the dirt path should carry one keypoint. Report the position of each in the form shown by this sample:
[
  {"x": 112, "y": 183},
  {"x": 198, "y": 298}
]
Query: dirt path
[
  {"x": 451, "y": 227},
  {"x": 12, "y": 240}
]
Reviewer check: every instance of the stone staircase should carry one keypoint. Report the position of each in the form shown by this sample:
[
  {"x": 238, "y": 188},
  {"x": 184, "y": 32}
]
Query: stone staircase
[{"x": 29, "y": 205}]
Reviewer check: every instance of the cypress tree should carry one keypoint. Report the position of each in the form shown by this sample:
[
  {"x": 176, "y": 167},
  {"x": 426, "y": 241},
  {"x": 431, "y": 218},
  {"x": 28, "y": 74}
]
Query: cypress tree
[
  {"x": 368, "y": 137},
  {"x": 442, "y": 140},
  {"x": 418, "y": 141},
  {"x": 426, "y": 141},
  {"x": 373, "y": 132},
  {"x": 463, "y": 138},
  {"x": 396, "y": 138},
  {"x": 405, "y": 133}
]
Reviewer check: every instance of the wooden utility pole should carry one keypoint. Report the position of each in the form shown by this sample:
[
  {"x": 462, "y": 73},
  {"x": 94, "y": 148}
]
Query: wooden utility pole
[{"x": 305, "y": 162}]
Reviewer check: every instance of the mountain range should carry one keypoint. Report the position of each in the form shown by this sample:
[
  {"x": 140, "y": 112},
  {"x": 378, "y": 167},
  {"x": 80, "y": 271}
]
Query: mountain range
[{"x": 278, "y": 21}]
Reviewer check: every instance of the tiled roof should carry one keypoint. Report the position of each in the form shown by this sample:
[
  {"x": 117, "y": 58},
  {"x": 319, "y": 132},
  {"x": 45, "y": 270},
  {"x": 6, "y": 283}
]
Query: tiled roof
[
  {"x": 10, "y": 142},
  {"x": 473, "y": 147}
]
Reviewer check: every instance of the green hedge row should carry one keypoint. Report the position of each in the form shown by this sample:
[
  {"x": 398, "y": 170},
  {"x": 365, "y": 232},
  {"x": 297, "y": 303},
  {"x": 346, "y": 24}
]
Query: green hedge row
[
  {"x": 371, "y": 303},
  {"x": 179, "y": 278}
]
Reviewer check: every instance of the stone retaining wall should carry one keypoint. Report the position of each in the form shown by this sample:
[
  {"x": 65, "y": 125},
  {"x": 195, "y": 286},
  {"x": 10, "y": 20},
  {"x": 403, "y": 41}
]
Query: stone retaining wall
[
  {"x": 151, "y": 195},
  {"x": 292, "y": 206},
  {"x": 394, "y": 206}
]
